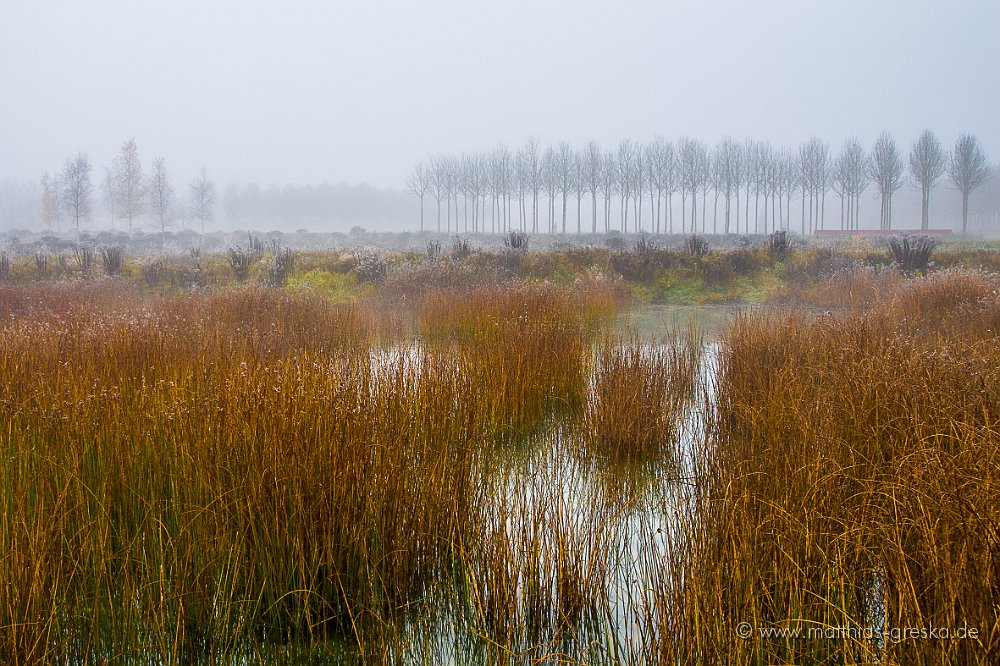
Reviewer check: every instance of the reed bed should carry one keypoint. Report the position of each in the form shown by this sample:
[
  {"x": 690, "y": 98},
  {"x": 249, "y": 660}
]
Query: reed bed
[
  {"x": 524, "y": 349},
  {"x": 638, "y": 392},
  {"x": 208, "y": 475},
  {"x": 851, "y": 486},
  {"x": 181, "y": 482}
]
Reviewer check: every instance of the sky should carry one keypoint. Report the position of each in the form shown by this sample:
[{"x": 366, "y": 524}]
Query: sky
[{"x": 311, "y": 91}]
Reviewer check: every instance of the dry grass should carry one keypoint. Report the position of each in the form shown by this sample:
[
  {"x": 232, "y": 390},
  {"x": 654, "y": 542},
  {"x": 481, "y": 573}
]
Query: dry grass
[
  {"x": 197, "y": 476},
  {"x": 639, "y": 390},
  {"x": 213, "y": 476},
  {"x": 523, "y": 348},
  {"x": 853, "y": 481}
]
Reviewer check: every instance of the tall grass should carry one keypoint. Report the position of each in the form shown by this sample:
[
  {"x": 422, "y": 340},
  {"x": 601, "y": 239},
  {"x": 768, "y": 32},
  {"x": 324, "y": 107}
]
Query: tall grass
[
  {"x": 193, "y": 477},
  {"x": 182, "y": 478},
  {"x": 522, "y": 348},
  {"x": 853, "y": 481},
  {"x": 638, "y": 392}
]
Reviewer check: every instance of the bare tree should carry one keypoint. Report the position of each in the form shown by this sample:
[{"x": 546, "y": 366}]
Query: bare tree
[
  {"x": 202, "y": 199},
  {"x": 77, "y": 190},
  {"x": 503, "y": 175},
  {"x": 609, "y": 185},
  {"x": 788, "y": 170},
  {"x": 749, "y": 162},
  {"x": 446, "y": 175},
  {"x": 968, "y": 169},
  {"x": 419, "y": 184},
  {"x": 815, "y": 180},
  {"x": 579, "y": 187},
  {"x": 522, "y": 184},
  {"x": 533, "y": 164},
  {"x": 625, "y": 167},
  {"x": 161, "y": 196},
  {"x": 550, "y": 178},
  {"x": 693, "y": 171},
  {"x": 129, "y": 196},
  {"x": 482, "y": 186},
  {"x": 471, "y": 183},
  {"x": 726, "y": 170},
  {"x": 50, "y": 210},
  {"x": 438, "y": 174},
  {"x": 927, "y": 163},
  {"x": 640, "y": 183},
  {"x": 564, "y": 166},
  {"x": 887, "y": 172},
  {"x": 851, "y": 175},
  {"x": 592, "y": 163},
  {"x": 663, "y": 178},
  {"x": 768, "y": 181}
]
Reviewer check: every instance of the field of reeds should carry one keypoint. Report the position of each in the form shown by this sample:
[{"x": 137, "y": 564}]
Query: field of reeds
[
  {"x": 495, "y": 471},
  {"x": 851, "y": 487}
]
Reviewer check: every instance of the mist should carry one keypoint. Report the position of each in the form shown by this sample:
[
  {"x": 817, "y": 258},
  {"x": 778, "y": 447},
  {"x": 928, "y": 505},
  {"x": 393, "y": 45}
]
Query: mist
[{"x": 315, "y": 95}]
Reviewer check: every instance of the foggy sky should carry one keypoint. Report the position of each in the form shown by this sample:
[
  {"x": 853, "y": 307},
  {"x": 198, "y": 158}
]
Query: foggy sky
[{"x": 311, "y": 91}]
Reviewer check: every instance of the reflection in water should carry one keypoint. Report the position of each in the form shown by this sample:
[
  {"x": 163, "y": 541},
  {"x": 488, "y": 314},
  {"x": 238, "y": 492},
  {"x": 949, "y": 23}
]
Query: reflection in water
[
  {"x": 572, "y": 553},
  {"x": 658, "y": 321}
]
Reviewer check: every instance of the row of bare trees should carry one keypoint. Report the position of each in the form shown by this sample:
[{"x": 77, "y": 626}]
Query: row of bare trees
[
  {"x": 128, "y": 192},
  {"x": 749, "y": 185}
]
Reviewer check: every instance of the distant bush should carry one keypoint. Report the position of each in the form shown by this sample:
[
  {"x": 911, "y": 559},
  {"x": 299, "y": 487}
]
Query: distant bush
[
  {"x": 5, "y": 264},
  {"x": 113, "y": 259},
  {"x": 241, "y": 260},
  {"x": 460, "y": 248},
  {"x": 84, "y": 255},
  {"x": 644, "y": 246},
  {"x": 911, "y": 254},
  {"x": 280, "y": 267},
  {"x": 516, "y": 240},
  {"x": 154, "y": 273},
  {"x": 696, "y": 245},
  {"x": 433, "y": 250},
  {"x": 778, "y": 242},
  {"x": 515, "y": 247},
  {"x": 371, "y": 268}
]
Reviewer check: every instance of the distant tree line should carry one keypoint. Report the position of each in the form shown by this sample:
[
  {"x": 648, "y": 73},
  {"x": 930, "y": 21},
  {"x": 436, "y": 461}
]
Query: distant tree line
[
  {"x": 127, "y": 193},
  {"x": 735, "y": 186}
]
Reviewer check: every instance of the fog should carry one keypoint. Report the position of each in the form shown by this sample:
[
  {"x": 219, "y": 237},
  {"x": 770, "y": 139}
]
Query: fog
[{"x": 309, "y": 92}]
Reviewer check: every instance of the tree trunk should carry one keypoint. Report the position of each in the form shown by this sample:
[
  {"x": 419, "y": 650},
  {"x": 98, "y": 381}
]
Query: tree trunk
[{"x": 965, "y": 212}]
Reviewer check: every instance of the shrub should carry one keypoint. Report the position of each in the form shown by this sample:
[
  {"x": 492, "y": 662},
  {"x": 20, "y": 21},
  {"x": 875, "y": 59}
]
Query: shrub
[
  {"x": 153, "y": 273},
  {"x": 433, "y": 250},
  {"x": 371, "y": 268},
  {"x": 911, "y": 255},
  {"x": 778, "y": 242},
  {"x": 241, "y": 261},
  {"x": 84, "y": 255},
  {"x": 280, "y": 268},
  {"x": 113, "y": 259},
  {"x": 515, "y": 245},
  {"x": 644, "y": 246},
  {"x": 696, "y": 245},
  {"x": 516, "y": 240},
  {"x": 460, "y": 248}
]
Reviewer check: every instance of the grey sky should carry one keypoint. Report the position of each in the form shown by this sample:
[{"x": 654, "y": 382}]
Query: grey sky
[{"x": 307, "y": 91}]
